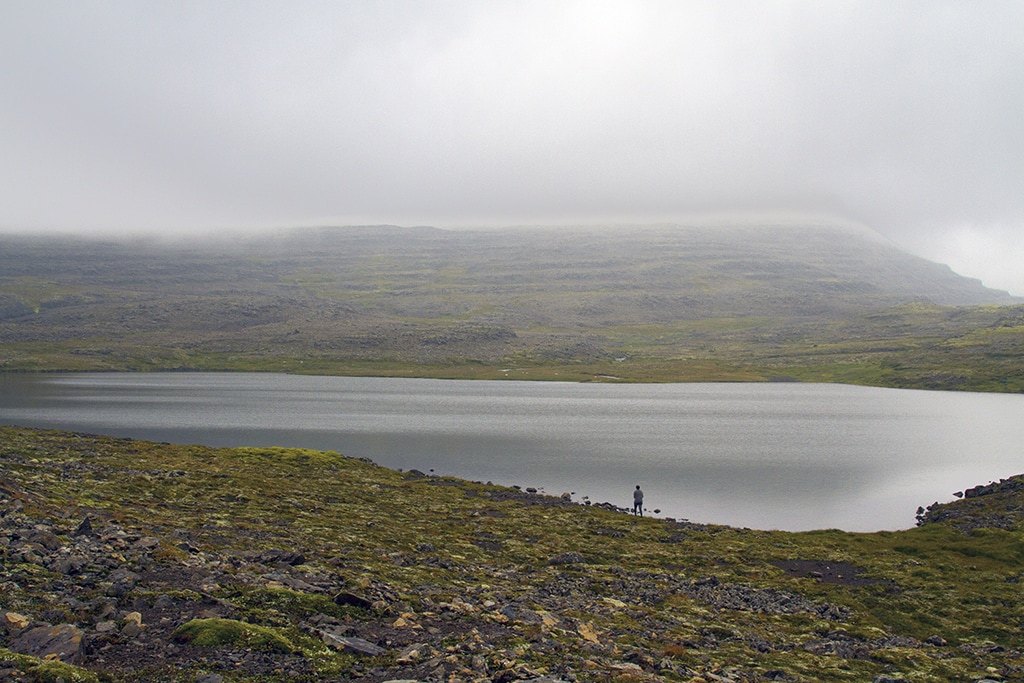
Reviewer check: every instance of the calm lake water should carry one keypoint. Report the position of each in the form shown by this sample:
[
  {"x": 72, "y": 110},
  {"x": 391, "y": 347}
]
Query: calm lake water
[{"x": 786, "y": 456}]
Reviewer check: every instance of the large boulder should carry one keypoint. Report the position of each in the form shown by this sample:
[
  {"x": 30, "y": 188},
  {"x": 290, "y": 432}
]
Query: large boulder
[{"x": 63, "y": 641}]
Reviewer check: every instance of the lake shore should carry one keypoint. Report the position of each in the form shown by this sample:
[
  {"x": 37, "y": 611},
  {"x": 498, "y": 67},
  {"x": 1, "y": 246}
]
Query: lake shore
[{"x": 194, "y": 563}]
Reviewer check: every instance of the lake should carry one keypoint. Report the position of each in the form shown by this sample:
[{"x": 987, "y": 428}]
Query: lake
[{"x": 783, "y": 456}]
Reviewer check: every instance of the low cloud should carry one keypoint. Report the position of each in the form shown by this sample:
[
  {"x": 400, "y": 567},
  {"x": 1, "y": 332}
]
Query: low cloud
[{"x": 139, "y": 117}]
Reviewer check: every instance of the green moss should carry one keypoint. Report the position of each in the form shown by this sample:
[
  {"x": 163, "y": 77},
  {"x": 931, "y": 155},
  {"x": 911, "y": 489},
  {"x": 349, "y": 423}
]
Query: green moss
[
  {"x": 214, "y": 632},
  {"x": 47, "y": 671},
  {"x": 268, "y": 603}
]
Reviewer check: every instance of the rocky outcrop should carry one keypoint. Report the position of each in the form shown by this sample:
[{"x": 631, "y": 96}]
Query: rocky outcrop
[{"x": 996, "y": 505}]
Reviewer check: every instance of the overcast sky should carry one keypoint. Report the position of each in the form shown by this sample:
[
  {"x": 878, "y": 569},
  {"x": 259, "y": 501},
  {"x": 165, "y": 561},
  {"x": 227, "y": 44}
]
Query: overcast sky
[{"x": 904, "y": 116}]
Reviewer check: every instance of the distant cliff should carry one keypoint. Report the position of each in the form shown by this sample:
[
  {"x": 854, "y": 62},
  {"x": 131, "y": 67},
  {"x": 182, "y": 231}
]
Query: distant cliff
[{"x": 806, "y": 302}]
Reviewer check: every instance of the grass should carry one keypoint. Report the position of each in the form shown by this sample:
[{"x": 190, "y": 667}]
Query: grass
[{"x": 367, "y": 526}]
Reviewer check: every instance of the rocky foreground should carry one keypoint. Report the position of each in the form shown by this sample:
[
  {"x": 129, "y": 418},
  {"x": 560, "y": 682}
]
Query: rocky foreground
[{"x": 126, "y": 560}]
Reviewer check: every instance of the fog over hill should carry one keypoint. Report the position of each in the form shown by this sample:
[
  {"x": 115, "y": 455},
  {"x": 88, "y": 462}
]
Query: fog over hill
[{"x": 426, "y": 295}]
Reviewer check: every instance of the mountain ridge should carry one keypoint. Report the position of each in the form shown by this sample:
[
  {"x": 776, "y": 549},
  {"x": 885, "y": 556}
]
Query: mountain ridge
[{"x": 680, "y": 303}]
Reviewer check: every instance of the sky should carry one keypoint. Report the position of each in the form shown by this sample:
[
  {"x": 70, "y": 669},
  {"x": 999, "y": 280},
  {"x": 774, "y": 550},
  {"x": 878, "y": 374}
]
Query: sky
[{"x": 143, "y": 116}]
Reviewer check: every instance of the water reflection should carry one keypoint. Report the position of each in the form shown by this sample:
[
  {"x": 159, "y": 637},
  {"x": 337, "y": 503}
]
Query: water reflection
[{"x": 760, "y": 455}]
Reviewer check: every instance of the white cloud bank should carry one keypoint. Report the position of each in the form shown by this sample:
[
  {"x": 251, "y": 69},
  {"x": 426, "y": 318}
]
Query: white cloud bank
[{"x": 194, "y": 115}]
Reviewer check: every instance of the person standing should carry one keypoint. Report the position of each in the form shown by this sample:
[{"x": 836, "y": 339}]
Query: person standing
[{"x": 638, "y": 501}]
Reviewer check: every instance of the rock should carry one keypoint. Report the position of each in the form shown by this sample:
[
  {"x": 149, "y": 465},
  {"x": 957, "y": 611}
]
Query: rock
[
  {"x": 938, "y": 641},
  {"x": 163, "y": 602},
  {"x": 147, "y": 543},
  {"x": 275, "y": 556},
  {"x": 414, "y": 653},
  {"x": 210, "y": 678},
  {"x": 63, "y": 642},
  {"x": 84, "y": 528},
  {"x": 884, "y": 678},
  {"x": 567, "y": 558},
  {"x": 119, "y": 589},
  {"x": 46, "y": 538},
  {"x": 106, "y": 627},
  {"x": 13, "y": 621},
  {"x": 405, "y": 621},
  {"x": 132, "y": 624},
  {"x": 524, "y": 616},
  {"x": 69, "y": 564},
  {"x": 587, "y": 632},
  {"x": 131, "y": 629},
  {"x": 626, "y": 668},
  {"x": 353, "y": 600},
  {"x": 352, "y": 645}
]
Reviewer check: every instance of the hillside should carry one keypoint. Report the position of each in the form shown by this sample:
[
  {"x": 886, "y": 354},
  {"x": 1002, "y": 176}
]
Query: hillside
[
  {"x": 667, "y": 303},
  {"x": 128, "y": 560}
]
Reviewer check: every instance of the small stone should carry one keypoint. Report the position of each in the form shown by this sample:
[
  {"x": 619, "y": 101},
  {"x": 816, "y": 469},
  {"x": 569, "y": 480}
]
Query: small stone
[
  {"x": 352, "y": 600},
  {"x": 353, "y": 645},
  {"x": 132, "y": 624},
  {"x": 587, "y": 632},
  {"x": 210, "y": 678},
  {"x": 413, "y": 653},
  {"x": 548, "y": 620},
  {"x": 938, "y": 641},
  {"x": 131, "y": 629},
  {"x": 628, "y": 669},
  {"x": 105, "y": 626},
  {"x": 14, "y": 621},
  {"x": 123, "y": 581},
  {"x": 84, "y": 528},
  {"x": 405, "y": 621}
]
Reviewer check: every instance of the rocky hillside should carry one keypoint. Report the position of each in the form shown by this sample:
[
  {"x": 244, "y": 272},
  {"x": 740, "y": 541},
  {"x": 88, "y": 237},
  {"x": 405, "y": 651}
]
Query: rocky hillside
[
  {"x": 135, "y": 561},
  {"x": 667, "y": 303}
]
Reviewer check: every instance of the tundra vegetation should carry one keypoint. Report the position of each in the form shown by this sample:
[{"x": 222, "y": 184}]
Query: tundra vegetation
[
  {"x": 129, "y": 560},
  {"x": 670, "y": 303}
]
